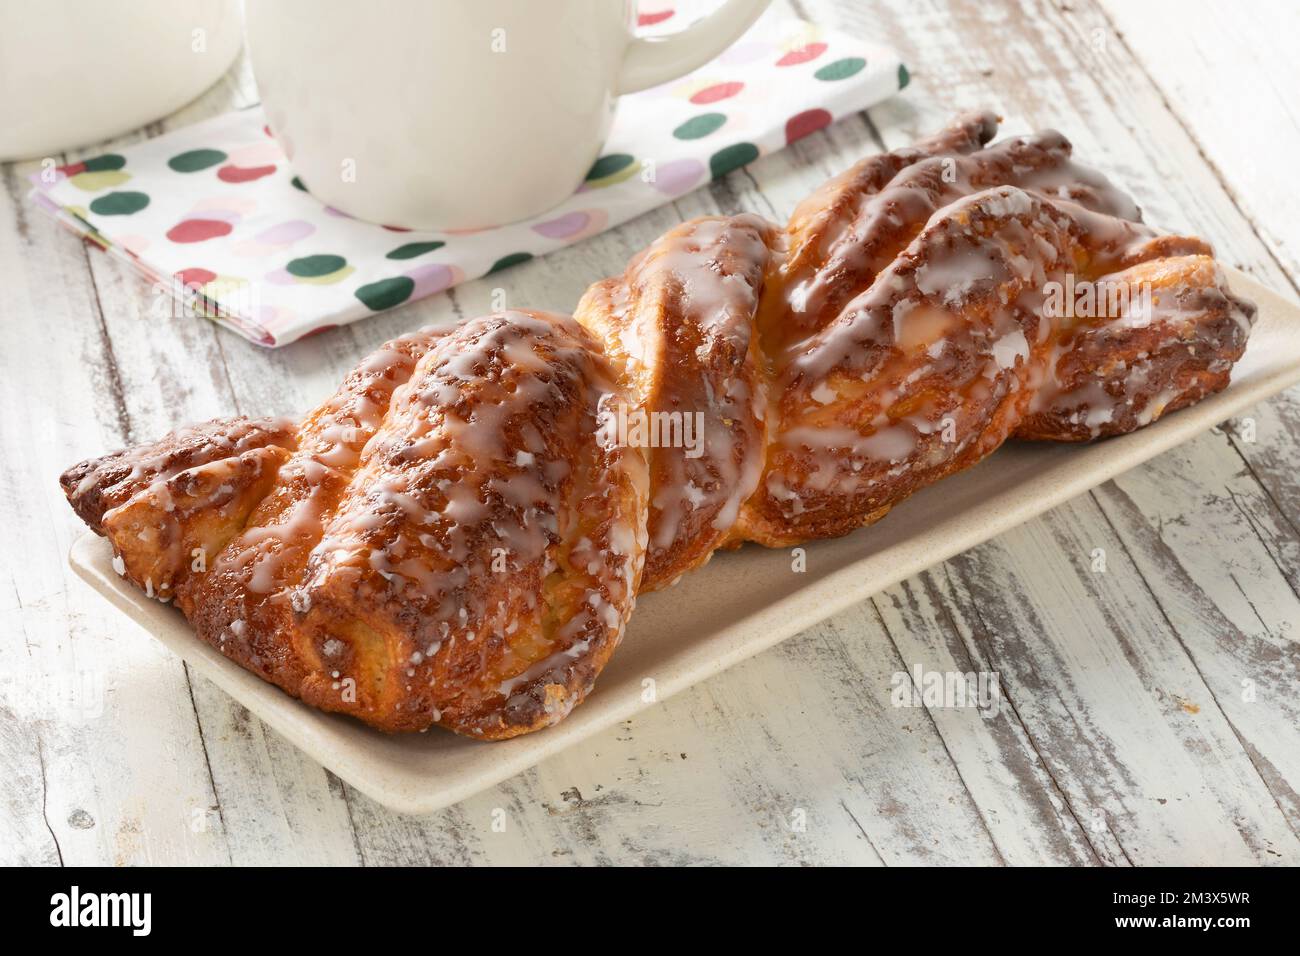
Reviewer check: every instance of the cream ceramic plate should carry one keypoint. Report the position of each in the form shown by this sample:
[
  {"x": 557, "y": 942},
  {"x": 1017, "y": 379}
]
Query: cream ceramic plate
[{"x": 739, "y": 604}]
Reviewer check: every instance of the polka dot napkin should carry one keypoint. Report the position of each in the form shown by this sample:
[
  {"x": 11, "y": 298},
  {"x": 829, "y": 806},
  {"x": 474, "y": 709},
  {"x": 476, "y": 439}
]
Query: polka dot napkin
[{"x": 214, "y": 216}]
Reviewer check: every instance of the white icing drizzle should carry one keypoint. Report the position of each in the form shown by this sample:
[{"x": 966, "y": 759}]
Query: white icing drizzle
[
  {"x": 680, "y": 322},
  {"x": 897, "y": 352},
  {"x": 485, "y": 506}
]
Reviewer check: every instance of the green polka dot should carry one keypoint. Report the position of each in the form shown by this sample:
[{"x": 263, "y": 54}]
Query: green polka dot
[
  {"x": 196, "y": 159},
  {"x": 119, "y": 204},
  {"x": 413, "y": 249},
  {"x": 609, "y": 165},
  {"x": 297, "y": 184},
  {"x": 732, "y": 157},
  {"x": 505, "y": 262},
  {"x": 105, "y": 163},
  {"x": 309, "y": 267},
  {"x": 841, "y": 69},
  {"x": 700, "y": 126},
  {"x": 903, "y": 76},
  {"x": 386, "y": 293}
]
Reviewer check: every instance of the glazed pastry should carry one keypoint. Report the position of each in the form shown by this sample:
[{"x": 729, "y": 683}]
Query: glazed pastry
[
  {"x": 909, "y": 328},
  {"x": 446, "y": 540},
  {"x": 457, "y": 537},
  {"x": 679, "y": 327}
]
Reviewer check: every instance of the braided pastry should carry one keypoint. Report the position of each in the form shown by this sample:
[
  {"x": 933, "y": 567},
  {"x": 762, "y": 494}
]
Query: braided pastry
[{"x": 458, "y": 536}]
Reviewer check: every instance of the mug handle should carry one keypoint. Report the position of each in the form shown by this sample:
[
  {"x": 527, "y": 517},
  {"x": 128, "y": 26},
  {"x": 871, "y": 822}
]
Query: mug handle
[{"x": 654, "y": 60}]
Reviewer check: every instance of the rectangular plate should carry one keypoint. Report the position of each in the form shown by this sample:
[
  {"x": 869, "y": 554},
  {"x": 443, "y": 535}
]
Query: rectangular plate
[{"x": 737, "y": 605}]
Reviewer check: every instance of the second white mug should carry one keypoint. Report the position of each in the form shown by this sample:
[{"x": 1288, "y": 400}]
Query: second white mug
[{"x": 459, "y": 114}]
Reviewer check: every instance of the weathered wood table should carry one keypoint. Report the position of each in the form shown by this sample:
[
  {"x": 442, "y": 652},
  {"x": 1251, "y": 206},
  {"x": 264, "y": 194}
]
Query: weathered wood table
[{"x": 1151, "y": 710}]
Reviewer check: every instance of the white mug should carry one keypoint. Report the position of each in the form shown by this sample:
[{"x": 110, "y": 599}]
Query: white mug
[
  {"x": 459, "y": 114},
  {"x": 75, "y": 73}
]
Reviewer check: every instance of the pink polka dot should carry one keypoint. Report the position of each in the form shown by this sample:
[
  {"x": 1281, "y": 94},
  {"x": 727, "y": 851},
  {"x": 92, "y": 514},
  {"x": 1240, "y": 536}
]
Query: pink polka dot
[
  {"x": 567, "y": 225},
  {"x": 653, "y": 17},
  {"x": 432, "y": 278},
  {"x": 716, "y": 92},
  {"x": 195, "y": 277},
  {"x": 803, "y": 54},
  {"x": 676, "y": 177},
  {"x": 286, "y": 232},
  {"x": 809, "y": 121},
  {"x": 243, "y": 174},
  {"x": 197, "y": 230}
]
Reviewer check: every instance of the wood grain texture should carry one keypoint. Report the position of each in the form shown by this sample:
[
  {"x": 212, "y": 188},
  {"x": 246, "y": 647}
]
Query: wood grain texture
[{"x": 1144, "y": 636}]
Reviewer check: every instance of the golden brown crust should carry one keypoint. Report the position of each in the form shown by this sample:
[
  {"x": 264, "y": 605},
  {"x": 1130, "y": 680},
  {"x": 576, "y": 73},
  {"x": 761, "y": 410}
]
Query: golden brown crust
[
  {"x": 1119, "y": 370},
  {"x": 491, "y": 543},
  {"x": 448, "y": 539},
  {"x": 180, "y": 523},
  {"x": 457, "y": 536},
  {"x": 97, "y": 485},
  {"x": 192, "y": 490},
  {"x": 244, "y": 605},
  {"x": 679, "y": 325},
  {"x": 910, "y": 329}
]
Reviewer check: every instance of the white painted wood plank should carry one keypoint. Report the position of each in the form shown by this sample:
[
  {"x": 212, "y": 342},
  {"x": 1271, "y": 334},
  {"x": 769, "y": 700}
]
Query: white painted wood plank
[
  {"x": 1230, "y": 74},
  {"x": 130, "y": 740},
  {"x": 1226, "y": 577},
  {"x": 807, "y": 726},
  {"x": 1133, "y": 736}
]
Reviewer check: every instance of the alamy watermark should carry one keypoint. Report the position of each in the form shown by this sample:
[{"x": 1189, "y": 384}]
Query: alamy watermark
[
  {"x": 979, "y": 690},
  {"x": 75, "y": 908},
  {"x": 635, "y": 427},
  {"x": 1085, "y": 299},
  {"x": 208, "y": 298}
]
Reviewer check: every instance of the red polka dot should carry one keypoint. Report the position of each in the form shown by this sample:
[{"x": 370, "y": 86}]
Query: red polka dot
[
  {"x": 196, "y": 230},
  {"x": 802, "y": 55},
  {"x": 801, "y": 124},
  {"x": 650, "y": 19},
  {"x": 719, "y": 91},
  {"x": 195, "y": 277},
  {"x": 243, "y": 174}
]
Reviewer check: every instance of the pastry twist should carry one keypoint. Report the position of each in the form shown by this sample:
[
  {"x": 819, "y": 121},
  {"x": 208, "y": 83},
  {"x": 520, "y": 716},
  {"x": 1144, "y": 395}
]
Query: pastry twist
[{"x": 458, "y": 535}]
